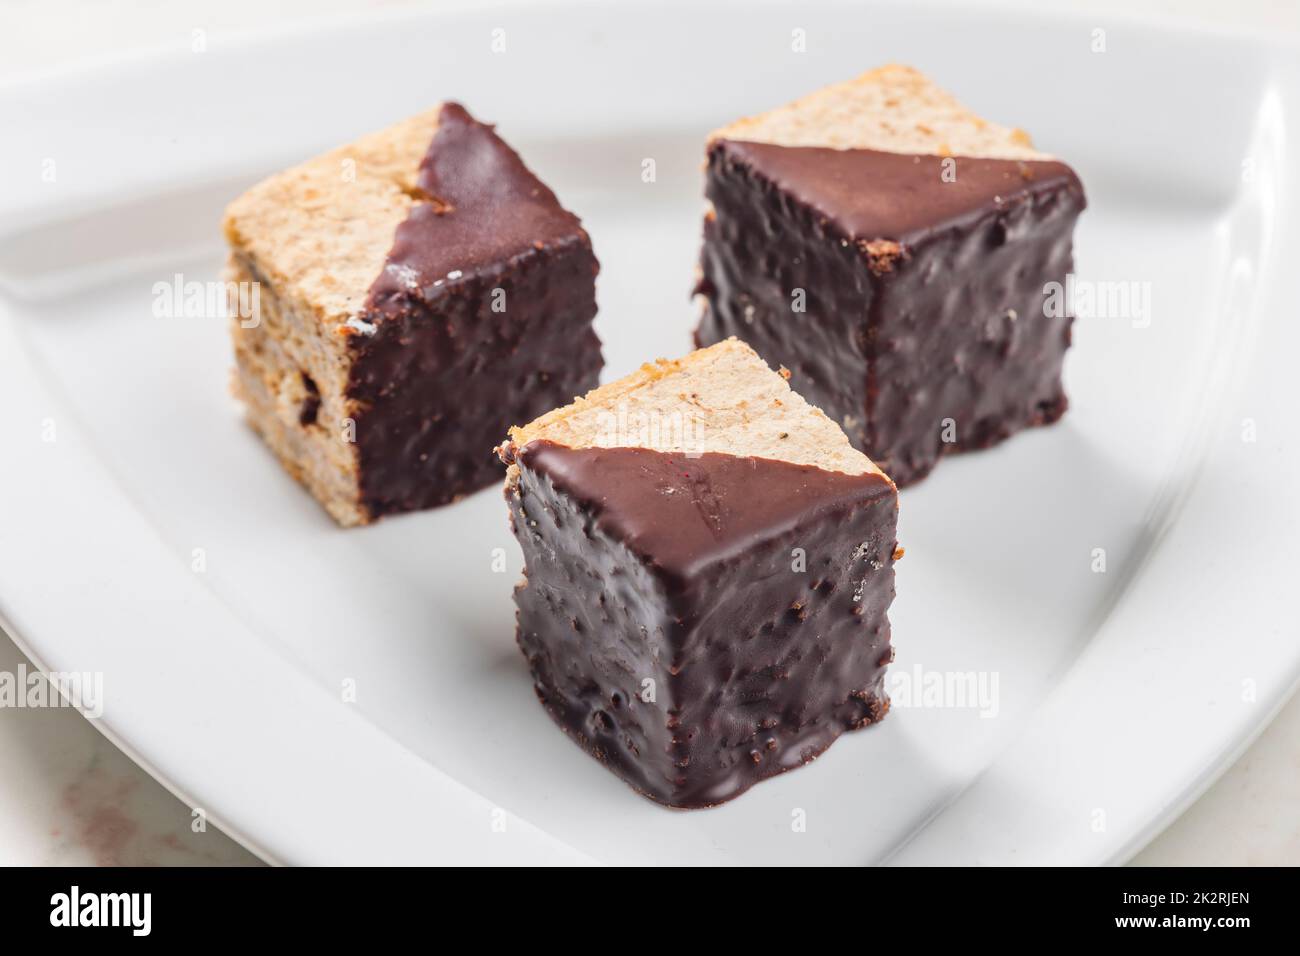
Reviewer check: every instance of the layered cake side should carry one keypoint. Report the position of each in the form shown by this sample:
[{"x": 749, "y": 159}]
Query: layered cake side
[
  {"x": 708, "y": 570},
  {"x": 892, "y": 248},
  {"x": 420, "y": 290}
]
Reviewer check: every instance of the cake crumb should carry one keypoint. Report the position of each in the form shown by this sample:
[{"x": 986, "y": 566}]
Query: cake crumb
[{"x": 881, "y": 254}]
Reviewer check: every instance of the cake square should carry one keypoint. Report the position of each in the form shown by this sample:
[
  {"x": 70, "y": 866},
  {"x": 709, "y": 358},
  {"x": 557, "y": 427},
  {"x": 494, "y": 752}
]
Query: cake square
[
  {"x": 892, "y": 249},
  {"x": 420, "y": 290},
  {"x": 708, "y": 569}
]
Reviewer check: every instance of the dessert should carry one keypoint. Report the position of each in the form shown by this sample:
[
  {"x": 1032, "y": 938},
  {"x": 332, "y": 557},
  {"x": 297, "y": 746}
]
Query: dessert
[
  {"x": 419, "y": 291},
  {"x": 708, "y": 567},
  {"x": 892, "y": 248}
]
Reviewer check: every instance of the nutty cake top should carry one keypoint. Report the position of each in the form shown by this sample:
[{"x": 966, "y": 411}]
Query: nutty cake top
[
  {"x": 721, "y": 399},
  {"x": 893, "y": 109},
  {"x": 321, "y": 231}
]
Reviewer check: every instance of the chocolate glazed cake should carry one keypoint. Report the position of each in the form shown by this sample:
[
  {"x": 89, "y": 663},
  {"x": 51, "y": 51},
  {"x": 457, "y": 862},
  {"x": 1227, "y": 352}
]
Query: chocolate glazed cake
[
  {"x": 892, "y": 249},
  {"x": 420, "y": 290},
  {"x": 705, "y": 611}
]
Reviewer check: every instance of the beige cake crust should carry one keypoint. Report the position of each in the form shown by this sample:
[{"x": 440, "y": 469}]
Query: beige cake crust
[
  {"x": 321, "y": 231},
  {"x": 722, "y": 399},
  {"x": 893, "y": 109}
]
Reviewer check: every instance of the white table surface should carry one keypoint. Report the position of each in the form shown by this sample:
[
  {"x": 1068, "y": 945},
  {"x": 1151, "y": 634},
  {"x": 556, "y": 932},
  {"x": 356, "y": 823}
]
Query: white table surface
[{"x": 68, "y": 796}]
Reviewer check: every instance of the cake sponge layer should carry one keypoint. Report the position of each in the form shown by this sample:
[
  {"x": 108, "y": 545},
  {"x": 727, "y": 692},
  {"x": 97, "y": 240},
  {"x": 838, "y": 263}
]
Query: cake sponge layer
[{"x": 893, "y": 109}]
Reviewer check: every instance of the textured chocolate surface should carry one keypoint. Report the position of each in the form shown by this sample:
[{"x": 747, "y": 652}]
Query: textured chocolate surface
[
  {"x": 923, "y": 298},
  {"x": 649, "y": 571},
  {"x": 480, "y": 319}
]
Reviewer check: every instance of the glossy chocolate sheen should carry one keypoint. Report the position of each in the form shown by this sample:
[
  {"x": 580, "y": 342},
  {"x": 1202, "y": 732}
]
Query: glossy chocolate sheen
[
  {"x": 480, "y": 319},
  {"x": 923, "y": 331},
  {"x": 699, "y": 624}
]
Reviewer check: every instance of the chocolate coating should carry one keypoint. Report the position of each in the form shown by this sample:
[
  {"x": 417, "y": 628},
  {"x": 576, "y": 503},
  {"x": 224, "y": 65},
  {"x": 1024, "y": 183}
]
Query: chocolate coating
[
  {"x": 481, "y": 319},
  {"x": 655, "y": 572},
  {"x": 923, "y": 298}
]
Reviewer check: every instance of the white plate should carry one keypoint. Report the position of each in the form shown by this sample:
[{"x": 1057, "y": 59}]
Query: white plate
[{"x": 1121, "y": 694}]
